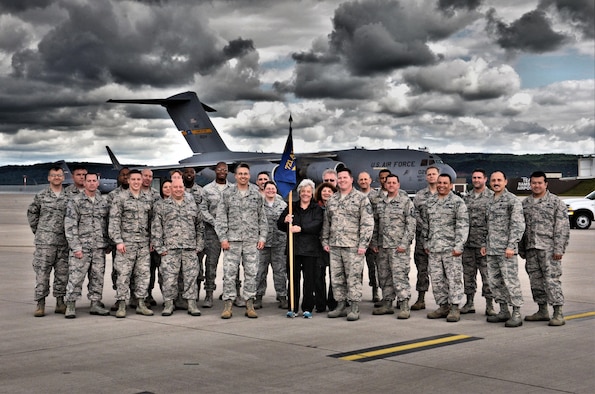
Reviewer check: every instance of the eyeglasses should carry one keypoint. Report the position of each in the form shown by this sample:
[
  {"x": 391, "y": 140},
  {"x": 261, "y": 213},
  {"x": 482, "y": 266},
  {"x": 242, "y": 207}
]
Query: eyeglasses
[{"x": 328, "y": 180}]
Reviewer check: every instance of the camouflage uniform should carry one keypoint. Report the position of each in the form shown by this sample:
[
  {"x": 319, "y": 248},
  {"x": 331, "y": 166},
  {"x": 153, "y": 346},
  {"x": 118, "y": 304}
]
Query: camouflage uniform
[
  {"x": 177, "y": 228},
  {"x": 506, "y": 225},
  {"x": 420, "y": 257},
  {"x": 129, "y": 223},
  {"x": 208, "y": 207},
  {"x": 241, "y": 220},
  {"x": 273, "y": 252},
  {"x": 394, "y": 227},
  {"x": 547, "y": 233},
  {"x": 473, "y": 261},
  {"x": 197, "y": 192},
  {"x": 72, "y": 191},
  {"x": 445, "y": 229},
  {"x": 348, "y": 226},
  {"x": 86, "y": 231},
  {"x": 46, "y": 219}
]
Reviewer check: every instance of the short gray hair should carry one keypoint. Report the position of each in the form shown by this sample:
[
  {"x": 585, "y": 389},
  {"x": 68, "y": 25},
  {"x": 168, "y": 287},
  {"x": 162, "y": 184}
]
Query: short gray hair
[{"x": 304, "y": 183}]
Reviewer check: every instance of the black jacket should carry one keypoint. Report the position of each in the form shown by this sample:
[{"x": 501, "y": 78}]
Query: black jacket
[{"x": 306, "y": 242}]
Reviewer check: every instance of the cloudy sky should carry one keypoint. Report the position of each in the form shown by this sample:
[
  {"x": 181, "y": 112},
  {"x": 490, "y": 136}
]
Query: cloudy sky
[{"x": 513, "y": 76}]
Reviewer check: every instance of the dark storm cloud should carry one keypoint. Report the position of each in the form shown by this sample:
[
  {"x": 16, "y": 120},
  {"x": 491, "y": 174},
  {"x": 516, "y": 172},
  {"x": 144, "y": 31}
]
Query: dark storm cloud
[
  {"x": 12, "y": 6},
  {"x": 377, "y": 36},
  {"x": 516, "y": 127},
  {"x": 531, "y": 33},
  {"x": 579, "y": 13},
  {"x": 450, "y": 6},
  {"x": 96, "y": 45}
]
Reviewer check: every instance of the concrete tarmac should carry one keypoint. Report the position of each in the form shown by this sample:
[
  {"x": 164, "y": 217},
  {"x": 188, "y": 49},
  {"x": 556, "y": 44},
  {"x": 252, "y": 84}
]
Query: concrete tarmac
[{"x": 274, "y": 354}]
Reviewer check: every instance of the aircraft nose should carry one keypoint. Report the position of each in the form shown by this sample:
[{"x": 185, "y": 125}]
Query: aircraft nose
[{"x": 446, "y": 169}]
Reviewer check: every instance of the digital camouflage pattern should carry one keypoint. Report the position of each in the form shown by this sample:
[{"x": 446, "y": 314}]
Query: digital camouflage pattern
[
  {"x": 394, "y": 227},
  {"x": 506, "y": 225},
  {"x": 348, "y": 226},
  {"x": 547, "y": 233},
  {"x": 86, "y": 231},
  {"x": 46, "y": 219}
]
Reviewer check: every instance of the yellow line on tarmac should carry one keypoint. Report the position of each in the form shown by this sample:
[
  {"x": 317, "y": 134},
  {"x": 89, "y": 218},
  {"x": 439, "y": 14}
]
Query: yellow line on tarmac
[
  {"x": 396, "y": 349},
  {"x": 579, "y": 315}
]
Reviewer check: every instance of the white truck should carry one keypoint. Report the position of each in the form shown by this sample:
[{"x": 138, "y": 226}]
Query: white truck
[{"x": 581, "y": 211}]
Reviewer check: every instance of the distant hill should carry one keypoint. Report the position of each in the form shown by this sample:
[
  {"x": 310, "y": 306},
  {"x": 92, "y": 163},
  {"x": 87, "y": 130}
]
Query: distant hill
[{"x": 515, "y": 166}]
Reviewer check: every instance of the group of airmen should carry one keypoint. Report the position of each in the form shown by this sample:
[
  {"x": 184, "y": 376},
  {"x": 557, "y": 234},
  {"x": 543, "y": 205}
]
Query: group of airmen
[{"x": 173, "y": 230}]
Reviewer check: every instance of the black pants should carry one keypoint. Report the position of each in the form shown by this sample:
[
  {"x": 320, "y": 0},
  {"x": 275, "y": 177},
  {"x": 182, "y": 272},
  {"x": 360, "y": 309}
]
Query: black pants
[{"x": 303, "y": 266}]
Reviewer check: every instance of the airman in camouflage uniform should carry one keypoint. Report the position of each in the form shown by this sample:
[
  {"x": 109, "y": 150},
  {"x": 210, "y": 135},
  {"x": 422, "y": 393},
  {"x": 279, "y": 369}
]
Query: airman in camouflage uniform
[
  {"x": 129, "y": 229},
  {"x": 147, "y": 175},
  {"x": 274, "y": 249},
  {"x": 241, "y": 226},
  {"x": 346, "y": 234},
  {"x": 506, "y": 225},
  {"x": 189, "y": 178},
  {"x": 394, "y": 230},
  {"x": 208, "y": 207},
  {"x": 46, "y": 219},
  {"x": 543, "y": 245},
  {"x": 477, "y": 202},
  {"x": 420, "y": 257},
  {"x": 177, "y": 234},
  {"x": 78, "y": 185},
  {"x": 444, "y": 233},
  {"x": 85, "y": 227}
]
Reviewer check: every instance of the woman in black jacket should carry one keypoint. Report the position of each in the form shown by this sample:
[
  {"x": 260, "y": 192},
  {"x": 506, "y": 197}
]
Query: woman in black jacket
[{"x": 305, "y": 225}]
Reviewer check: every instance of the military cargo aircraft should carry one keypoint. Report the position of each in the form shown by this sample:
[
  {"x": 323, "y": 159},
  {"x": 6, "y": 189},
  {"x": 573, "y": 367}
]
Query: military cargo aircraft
[{"x": 189, "y": 115}]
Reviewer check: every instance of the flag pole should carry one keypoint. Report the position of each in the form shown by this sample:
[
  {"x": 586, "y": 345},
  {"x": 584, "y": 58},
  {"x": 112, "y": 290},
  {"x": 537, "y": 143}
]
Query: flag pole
[{"x": 290, "y": 251}]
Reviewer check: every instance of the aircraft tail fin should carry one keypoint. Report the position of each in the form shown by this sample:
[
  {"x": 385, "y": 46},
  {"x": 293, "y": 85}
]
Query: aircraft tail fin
[
  {"x": 190, "y": 117},
  {"x": 68, "y": 180},
  {"x": 115, "y": 163}
]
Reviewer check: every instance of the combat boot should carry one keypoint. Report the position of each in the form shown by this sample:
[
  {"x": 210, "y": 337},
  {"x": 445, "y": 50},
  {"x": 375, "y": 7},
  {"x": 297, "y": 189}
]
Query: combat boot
[
  {"x": 250, "y": 312},
  {"x": 385, "y": 308},
  {"x": 193, "y": 309},
  {"x": 133, "y": 302},
  {"x": 121, "y": 312},
  {"x": 283, "y": 304},
  {"x": 439, "y": 313},
  {"x": 40, "y": 311},
  {"x": 515, "y": 320},
  {"x": 502, "y": 316},
  {"x": 354, "y": 313},
  {"x": 339, "y": 311},
  {"x": 558, "y": 317},
  {"x": 375, "y": 296},
  {"x": 70, "y": 312},
  {"x": 454, "y": 315},
  {"x": 208, "y": 302},
  {"x": 98, "y": 309},
  {"x": 541, "y": 315},
  {"x": 404, "y": 311},
  {"x": 258, "y": 302},
  {"x": 227, "y": 307},
  {"x": 420, "y": 303},
  {"x": 60, "y": 305},
  {"x": 142, "y": 309},
  {"x": 468, "y": 307},
  {"x": 168, "y": 308},
  {"x": 490, "y": 307}
]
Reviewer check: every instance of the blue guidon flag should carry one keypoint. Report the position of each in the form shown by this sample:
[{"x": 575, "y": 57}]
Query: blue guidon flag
[{"x": 285, "y": 176}]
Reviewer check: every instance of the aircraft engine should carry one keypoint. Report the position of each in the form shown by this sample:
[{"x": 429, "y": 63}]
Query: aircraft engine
[
  {"x": 315, "y": 169},
  {"x": 255, "y": 168}
]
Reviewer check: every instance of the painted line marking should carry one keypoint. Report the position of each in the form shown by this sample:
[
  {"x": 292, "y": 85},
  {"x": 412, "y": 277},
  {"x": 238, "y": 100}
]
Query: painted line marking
[
  {"x": 579, "y": 315},
  {"x": 395, "y": 349}
]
